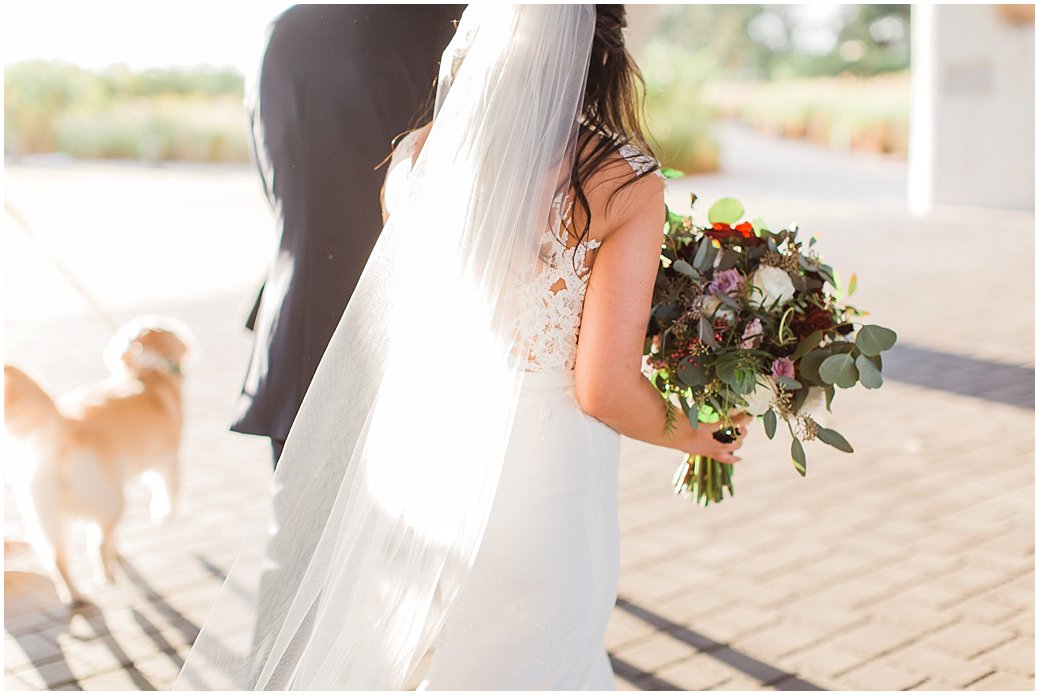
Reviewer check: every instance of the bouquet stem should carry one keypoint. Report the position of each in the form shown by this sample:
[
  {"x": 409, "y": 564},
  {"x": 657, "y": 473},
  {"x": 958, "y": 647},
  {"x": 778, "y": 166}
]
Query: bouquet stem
[{"x": 703, "y": 479}]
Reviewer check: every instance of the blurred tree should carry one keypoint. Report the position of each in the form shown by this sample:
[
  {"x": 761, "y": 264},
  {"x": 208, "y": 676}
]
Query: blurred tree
[
  {"x": 769, "y": 41},
  {"x": 155, "y": 114},
  {"x": 35, "y": 92}
]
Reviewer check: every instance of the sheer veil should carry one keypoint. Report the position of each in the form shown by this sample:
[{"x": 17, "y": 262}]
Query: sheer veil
[{"x": 380, "y": 500}]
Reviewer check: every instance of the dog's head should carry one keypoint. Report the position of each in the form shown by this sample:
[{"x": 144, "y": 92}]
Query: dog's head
[{"x": 150, "y": 343}]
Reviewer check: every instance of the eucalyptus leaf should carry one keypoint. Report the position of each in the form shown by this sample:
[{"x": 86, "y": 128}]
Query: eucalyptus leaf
[
  {"x": 685, "y": 269},
  {"x": 834, "y": 439},
  {"x": 800, "y": 396},
  {"x": 712, "y": 253},
  {"x": 706, "y": 331},
  {"x": 746, "y": 381},
  {"x": 729, "y": 259},
  {"x": 827, "y": 272},
  {"x": 797, "y": 453},
  {"x": 770, "y": 423},
  {"x": 809, "y": 343},
  {"x": 701, "y": 255},
  {"x": 726, "y": 210},
  {"x": 789, "y": 383},
  {"x": 869, "y": 375},
  {"x": 798, "y": 281},
  {"x": 693, "y": 375},
  {"x": 873, "y": 340},
  {"x": 726, "y": 371},
  {"x": 810, "y": 365},
  {"x": 839, "y": 369}
]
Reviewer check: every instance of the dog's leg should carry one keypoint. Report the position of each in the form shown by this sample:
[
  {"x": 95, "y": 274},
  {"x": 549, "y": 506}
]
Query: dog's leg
[
  {"x": 54, "y": 527},
  {"x": 110, "y": 556},
  {"x": 171, "y": 477},
  {"x": 56, "y": 530},
  {"x": 108, "y": 549}
]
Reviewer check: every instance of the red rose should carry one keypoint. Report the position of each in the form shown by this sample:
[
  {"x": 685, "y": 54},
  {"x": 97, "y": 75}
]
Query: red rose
[{"x": 815, "y": 319}]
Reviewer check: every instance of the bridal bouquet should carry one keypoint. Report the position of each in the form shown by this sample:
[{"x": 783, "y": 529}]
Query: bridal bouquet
[{"x": 749, "y": 319}]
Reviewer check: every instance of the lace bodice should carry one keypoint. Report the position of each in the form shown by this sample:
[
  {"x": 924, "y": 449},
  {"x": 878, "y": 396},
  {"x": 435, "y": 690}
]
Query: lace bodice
[
  {"x": 551, "y": 312},
  {"x": 551, "y": 306}
]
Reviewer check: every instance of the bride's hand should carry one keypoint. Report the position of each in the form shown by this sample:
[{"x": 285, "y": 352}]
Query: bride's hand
[{"x": 701, "y": 441}]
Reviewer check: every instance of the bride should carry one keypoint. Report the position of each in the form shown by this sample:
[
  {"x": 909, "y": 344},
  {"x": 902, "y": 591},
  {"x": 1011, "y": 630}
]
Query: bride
[{"x": 449, "y": 485}]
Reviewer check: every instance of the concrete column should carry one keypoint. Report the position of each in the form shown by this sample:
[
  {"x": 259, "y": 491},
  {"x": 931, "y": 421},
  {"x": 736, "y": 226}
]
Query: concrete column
[{"x": 972, "y": 136}]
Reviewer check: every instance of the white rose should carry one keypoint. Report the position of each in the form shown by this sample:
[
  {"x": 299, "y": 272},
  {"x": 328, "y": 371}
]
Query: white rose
[
  {"x": 772, "y": 284},
  {"x": 759, "y": 400},
  {"x": 709, "y": 304}
]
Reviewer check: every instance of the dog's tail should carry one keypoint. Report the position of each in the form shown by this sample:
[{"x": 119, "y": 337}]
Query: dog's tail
[{"x": 29, "y": 411}]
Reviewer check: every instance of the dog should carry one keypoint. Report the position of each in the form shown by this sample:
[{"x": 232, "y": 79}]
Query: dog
[{"x": 84, "y": 447}]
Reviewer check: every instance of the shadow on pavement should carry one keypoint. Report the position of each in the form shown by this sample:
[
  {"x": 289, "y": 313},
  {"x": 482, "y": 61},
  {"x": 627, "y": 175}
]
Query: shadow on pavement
[
  {"x": 764, "y": 673},
  {"x": 964, "y": 376}
]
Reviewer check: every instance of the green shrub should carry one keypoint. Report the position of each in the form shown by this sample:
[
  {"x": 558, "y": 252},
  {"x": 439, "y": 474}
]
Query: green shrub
[
  {"x": 156, "y": 115},
  {"x": 846, "y": 112},
  {"x": 678, "y": 118}
]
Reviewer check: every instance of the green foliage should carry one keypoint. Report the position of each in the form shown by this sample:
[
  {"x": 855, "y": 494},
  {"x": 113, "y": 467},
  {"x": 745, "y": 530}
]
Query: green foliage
[
  {"x": 847, "y": 112},
  {"x": 757, "y": 41},
  {"x": 797, "y": 454},
  {"x": 680, "y": 123},
  {"x": 686, "y": 269},
  {"x": 834, "y": 439},
  {"x": 869, "y": 373},
  {"x": 162, "y": 114},
  {"x": 873, "y": 340},
  {"x": 725, "y": 210},
  {"x": 840, "y": 370},
  {"x": 693, "y": 375},
  {"x": 807, "y": 345},
  {"x": 770, "y": 421}
]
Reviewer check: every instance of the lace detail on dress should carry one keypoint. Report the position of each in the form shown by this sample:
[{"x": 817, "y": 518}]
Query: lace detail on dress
[
  {"x": 552, "y": 303},
  {"x": 639, "y": 161}
]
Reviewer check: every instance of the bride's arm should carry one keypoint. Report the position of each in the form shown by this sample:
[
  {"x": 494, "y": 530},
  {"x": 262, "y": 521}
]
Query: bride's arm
[{"x": 609, "y": 381}]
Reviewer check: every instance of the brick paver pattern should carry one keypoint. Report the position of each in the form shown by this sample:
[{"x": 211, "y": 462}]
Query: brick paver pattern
[{"x": 908, "y": 565}]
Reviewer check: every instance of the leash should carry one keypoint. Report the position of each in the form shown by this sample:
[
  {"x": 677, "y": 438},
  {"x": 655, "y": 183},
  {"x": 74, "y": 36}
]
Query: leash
[{"x": 82, "y": 291}]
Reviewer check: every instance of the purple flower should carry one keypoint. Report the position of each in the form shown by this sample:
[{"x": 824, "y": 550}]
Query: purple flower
[
  {"x": 752, "y": 335},
  {"x": 725, "y": 282},
  {"x": 783, "y": 367}
]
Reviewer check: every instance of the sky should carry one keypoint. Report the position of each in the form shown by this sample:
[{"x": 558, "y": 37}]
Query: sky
[{"x": 139, "y": 34}]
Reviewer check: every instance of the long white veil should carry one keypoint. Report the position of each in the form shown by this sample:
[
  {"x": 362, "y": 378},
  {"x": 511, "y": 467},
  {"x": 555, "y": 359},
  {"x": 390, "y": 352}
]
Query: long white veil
[{"x": 383, "y": 491}]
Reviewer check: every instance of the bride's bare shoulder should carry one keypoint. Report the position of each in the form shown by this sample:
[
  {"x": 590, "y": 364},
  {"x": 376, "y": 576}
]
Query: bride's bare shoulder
[{"x": 626, "y": 183}]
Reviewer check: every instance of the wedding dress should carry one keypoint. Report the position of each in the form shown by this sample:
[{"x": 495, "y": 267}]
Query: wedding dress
[
  {"x": 533, "y": 613},
  {"x": 440, "y": 487}
]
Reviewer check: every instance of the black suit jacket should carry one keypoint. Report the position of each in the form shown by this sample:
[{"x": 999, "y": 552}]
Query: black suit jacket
[{"x": 337, "y": 83}]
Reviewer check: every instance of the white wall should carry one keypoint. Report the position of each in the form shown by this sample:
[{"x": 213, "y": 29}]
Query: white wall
[{"x": 972, "y": 139}]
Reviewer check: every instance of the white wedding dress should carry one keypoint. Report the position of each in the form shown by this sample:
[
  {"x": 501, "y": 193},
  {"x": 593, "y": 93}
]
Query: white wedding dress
[{"x": 532, "y": 614}]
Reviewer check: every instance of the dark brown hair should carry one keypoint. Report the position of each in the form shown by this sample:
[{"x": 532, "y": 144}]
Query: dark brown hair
[
  {"x": 611, "y": 115},
  {"x": 612, "y": 111}
]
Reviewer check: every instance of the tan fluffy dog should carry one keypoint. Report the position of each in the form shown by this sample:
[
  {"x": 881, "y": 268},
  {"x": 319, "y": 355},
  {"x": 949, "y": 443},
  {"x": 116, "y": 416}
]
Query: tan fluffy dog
[{"x": 88, "y": 444}]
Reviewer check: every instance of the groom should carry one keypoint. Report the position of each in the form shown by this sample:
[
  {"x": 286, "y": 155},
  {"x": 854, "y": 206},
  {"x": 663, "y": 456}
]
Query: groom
[{"x": 337, "y": 83}]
